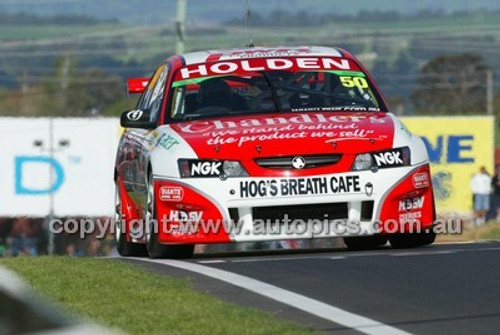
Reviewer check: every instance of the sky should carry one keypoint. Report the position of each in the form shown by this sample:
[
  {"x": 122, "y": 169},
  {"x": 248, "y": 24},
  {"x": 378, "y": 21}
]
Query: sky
[{"x": 160, "y": 11}]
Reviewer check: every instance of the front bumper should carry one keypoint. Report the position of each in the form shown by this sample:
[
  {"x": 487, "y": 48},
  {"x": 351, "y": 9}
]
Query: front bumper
[{"x": 345, "y": 204}]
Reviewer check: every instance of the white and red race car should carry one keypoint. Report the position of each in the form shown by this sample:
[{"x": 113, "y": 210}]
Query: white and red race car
[{"x": 264, "y": 144}]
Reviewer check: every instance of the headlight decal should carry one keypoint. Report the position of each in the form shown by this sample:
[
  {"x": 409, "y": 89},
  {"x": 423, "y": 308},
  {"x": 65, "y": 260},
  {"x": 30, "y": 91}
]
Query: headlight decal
[
  {"x": 391, "y": 158},
  {"x": 362, "y": 162},
  {"x": 234, "y": 169}
]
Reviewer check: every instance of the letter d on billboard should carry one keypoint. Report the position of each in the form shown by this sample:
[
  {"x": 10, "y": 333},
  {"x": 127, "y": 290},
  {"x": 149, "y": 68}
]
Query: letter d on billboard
[{"x": 21, "y": 162}]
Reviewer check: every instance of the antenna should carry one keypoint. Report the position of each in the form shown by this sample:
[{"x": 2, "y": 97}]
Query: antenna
[{"x": 248, "y": 15}]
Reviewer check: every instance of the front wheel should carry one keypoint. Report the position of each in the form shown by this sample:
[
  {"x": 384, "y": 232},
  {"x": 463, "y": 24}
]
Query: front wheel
[
  {"x": 405, "y": 241},
  {"x": 365, "y": 242},
  {"x": 154, "y": 247}
]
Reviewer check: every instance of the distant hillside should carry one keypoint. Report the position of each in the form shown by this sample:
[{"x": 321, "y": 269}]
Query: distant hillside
[{"x": 163, "y": 11}]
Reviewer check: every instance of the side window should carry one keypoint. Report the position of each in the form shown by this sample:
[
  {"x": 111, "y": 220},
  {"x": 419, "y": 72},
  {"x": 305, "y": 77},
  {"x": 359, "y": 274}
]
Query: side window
[{"x": 152, "y": 98}]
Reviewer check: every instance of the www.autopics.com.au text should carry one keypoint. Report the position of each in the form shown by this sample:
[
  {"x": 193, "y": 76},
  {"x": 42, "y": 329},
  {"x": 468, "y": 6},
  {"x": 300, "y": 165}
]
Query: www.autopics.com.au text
[{"x": 296, "y": 228}]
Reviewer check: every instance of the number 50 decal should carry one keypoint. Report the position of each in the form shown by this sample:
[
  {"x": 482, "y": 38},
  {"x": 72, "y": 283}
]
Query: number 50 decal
[{"x": 359, "y": 82}]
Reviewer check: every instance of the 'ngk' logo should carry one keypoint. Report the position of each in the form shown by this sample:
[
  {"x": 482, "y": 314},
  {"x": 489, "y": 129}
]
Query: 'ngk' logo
[
  {"x": 388, "y": 158},
  {"x": 206, "y": 169}
]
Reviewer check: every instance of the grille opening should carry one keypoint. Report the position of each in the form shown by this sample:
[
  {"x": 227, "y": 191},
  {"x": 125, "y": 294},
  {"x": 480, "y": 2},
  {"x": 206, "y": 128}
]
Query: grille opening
[
  {"x": 367, "y": 210},
  {"x": 311, "y": 161},
  {"x": 234, "y": 215},
  {"x": 328, "y": 211}
]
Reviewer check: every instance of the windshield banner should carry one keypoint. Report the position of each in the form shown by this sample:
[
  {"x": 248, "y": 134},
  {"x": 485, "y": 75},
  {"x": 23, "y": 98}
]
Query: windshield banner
[{"x": 269, "y": 64}]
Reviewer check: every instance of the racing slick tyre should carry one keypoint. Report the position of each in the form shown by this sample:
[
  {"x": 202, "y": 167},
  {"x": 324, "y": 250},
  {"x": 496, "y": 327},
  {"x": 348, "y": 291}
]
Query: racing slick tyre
[
  {"x": 404, "y": 241},
  {"x": 125, "y": 248},
  {"x": 154, "y": 248},
  {"x": 365, "y": 242}
]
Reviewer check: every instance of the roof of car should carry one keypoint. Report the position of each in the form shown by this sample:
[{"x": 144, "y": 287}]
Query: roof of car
[{"x": 258, "y": 52}]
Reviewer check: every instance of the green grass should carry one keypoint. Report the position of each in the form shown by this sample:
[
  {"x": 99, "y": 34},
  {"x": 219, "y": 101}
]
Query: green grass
[
  {"x": 119, "y": 295},
  {"x": 148, "y": 42},
  {"x": 491, "y": 234},
  {"x": 11, "y": 33},
  {"x": 423, "y": 25}
]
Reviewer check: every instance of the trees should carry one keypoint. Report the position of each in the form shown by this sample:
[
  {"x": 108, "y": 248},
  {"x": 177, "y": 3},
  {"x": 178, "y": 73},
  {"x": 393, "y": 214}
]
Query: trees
[{"x": 452, "y": 85}]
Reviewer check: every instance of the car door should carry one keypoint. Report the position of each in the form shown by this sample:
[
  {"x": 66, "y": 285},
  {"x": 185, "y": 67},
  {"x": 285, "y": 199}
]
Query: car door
[{"x": 141, "y": 141}]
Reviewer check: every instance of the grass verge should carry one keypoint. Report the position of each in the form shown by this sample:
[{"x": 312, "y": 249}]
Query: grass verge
[
  {"x": 120, "y": 295},
  {"x": 487, "y": 232}
]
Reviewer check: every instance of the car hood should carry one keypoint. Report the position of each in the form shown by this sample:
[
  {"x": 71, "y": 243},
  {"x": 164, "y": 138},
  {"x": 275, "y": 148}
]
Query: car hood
[{"x": 284, "y": 134}]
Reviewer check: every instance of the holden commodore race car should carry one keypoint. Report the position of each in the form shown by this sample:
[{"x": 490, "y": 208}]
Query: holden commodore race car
[{"x": 264, "y": 144}]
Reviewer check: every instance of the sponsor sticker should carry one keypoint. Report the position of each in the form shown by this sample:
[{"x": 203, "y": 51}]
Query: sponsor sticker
[
  {"x": 171, "y": 193},
  {"x": 265, "y": 64},
  {"x": 185, "y": 216},
  {"x": 300, "y": 186},
  {"x": 408, "y": 217},
  {"x": 407, "y": 205},
  {"x": 200, "y": 168},
  {"x": 167, "y": 142},
  {"x": 259, "y": 53},
  {"x": 421, "y": 180},
  {"x": 135, "y": 115},
  {"x": 411, "y": 209},
  {"x": 342, "y": 125},
  {"x": 387, "y": 159}
]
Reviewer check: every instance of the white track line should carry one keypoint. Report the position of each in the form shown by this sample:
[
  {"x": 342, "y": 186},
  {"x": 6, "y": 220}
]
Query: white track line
[
  {"x": 423, "y": 253},
  {"x": 311, "y": 306},
  {"x": 273, "y": 259}
]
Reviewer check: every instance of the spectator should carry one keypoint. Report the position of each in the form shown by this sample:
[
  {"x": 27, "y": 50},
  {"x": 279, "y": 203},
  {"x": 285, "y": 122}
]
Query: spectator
[
  {"x": 24, "y": 238},
  {"x": 481, "y": 189},
  {"x": 3, "y": 247},
  {"x": 496, "y": 192},
  {"x": 5, "y": 228}
]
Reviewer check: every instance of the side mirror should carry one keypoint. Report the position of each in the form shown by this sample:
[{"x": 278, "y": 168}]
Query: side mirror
[{"x": 137, "y": 118}]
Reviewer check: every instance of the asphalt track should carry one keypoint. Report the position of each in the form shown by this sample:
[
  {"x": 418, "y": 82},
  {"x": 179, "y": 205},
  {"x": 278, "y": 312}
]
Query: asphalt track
[{"x": 442, "y": 289}]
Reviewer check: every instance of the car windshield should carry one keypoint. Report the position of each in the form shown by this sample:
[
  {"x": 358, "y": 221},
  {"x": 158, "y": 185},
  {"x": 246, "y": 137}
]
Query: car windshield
[{"x": 270, "y": 85}]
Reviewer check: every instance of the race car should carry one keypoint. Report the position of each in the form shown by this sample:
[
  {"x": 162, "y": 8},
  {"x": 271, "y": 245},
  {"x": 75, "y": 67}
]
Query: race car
[{"x": 267, "y": 144}]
